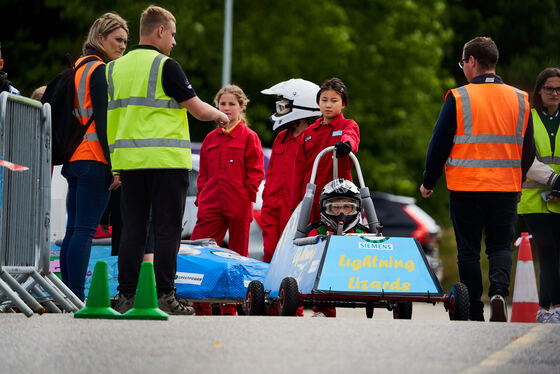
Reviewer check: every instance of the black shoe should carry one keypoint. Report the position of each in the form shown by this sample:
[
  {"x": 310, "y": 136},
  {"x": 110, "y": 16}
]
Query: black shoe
[
  {"x": 498, "y": 309},
  {"x": 476, "y": 317}
]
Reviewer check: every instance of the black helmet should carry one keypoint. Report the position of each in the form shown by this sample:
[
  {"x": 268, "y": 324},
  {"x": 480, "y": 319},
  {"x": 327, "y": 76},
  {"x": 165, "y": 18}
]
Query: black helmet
[{"x": 338, "y": 195}]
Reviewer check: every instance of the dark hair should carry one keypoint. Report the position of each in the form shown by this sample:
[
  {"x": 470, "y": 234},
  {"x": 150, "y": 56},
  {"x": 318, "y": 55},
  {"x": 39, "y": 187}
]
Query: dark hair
[
  {"x": 484, "y": 50},
  {"x": 334, "y": 84},
  {"x": 0, "y": 50},
  {"x": 536, "y": 100}
]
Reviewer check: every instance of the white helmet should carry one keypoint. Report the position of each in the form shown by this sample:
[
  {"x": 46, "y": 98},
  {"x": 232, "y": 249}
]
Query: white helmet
[{"x": 299, "y": 101}]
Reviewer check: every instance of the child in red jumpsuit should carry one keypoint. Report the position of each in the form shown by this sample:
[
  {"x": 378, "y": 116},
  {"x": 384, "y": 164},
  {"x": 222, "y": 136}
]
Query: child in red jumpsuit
[
  {"x": 340, "y": 210},
  {"x": 331, "y": 129},
  {"x": 231, "y": 170},
  {"x": 295, "y": 111}
]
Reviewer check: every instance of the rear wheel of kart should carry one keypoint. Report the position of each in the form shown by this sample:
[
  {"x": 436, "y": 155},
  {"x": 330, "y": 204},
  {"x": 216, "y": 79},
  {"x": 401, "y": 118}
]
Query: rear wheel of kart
[
  {"x": 254, "y": 301},
  {"x": 458, "y": 302},
  {"x": 369, "y": 310},
  {"x": 402, "y": 310},
  {"x": 288, "y": 297}
]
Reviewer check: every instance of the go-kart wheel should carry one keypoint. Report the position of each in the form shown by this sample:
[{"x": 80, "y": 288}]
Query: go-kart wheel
[
  {"x": 402, "y": 310},
  {"x": 369, "y": 310},
  {"x": 254, "y": 301},
  {"x": 288, "y": 297},
  {"x": 458, "y": 302}
]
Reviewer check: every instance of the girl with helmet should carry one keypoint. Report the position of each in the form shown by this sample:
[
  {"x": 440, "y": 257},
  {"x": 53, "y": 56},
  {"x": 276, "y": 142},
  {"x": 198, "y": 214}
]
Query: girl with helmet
[
  {"x": 340, "y": 211},
  {"x": 331, "y": 129},
  {"x": 295, "y": 111}
]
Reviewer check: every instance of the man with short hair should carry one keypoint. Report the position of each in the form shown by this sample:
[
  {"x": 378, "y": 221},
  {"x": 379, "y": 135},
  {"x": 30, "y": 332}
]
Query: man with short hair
[
  {"x": 148, "y": 136},
  {"x": 5, "y": 84},
  {"x": 484, "y": 137}
]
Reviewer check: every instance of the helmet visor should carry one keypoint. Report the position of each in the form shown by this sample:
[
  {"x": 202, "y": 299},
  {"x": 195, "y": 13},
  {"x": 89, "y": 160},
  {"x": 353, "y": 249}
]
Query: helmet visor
[
  {"x": 336, "y": 208},
  {"x": 283, "y": 107}
]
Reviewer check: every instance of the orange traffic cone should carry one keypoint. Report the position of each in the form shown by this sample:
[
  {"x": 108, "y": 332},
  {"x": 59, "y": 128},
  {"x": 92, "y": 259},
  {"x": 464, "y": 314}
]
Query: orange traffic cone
[{"x": 525, "y": 296}]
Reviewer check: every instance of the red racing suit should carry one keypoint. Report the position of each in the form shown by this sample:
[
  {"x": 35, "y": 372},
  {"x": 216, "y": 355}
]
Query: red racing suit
[
  {"x": 231, "y": 170},
  {"x": 277, "y": 192},
  {"x": 316, "y": 138}
]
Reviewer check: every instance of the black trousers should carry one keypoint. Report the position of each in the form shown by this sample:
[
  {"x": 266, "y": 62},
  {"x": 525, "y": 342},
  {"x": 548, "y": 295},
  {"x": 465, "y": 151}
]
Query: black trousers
[
  {"x": 493, "y": 213},
  {"x": 165, "y": 190},
  {"x": 545, "y": 229}
]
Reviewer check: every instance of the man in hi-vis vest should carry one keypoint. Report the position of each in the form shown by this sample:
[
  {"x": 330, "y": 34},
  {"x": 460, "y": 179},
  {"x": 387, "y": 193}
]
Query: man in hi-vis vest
[
  {"x": 148, "y": 135},
  {"x": 484, "y": 138}
]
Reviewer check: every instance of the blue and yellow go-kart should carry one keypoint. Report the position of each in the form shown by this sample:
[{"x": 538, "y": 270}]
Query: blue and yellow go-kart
[{"x": 353, "y": 270}]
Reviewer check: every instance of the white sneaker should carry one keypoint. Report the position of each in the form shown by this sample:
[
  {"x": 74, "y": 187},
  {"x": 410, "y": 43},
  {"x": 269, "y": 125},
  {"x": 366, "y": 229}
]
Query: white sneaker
[
  {"x": 318, "y": 314},
  {"x": 543, "y": 316},
  {"x": 554, "y": 316}
]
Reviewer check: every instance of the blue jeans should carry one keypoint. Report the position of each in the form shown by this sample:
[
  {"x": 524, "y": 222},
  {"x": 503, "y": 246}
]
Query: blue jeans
[{"x": 88, "y": 195}]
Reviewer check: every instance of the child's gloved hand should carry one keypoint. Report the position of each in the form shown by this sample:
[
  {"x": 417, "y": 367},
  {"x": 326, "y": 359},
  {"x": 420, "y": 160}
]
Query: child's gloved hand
[{"x": 342, "y": 149}]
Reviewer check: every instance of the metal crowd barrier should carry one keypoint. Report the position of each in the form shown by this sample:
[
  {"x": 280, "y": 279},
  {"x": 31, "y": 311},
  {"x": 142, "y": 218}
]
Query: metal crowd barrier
[{"x": 25, "y": 187}]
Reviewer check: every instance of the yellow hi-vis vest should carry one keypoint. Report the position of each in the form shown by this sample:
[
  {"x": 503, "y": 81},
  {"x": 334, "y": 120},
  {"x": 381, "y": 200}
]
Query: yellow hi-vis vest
[
  {"x": 146, "y": 129},
  {"x": 531, "y": 200}
]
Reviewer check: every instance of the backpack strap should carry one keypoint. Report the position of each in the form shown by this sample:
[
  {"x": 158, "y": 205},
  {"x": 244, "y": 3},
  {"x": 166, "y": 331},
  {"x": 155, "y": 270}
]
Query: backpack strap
[{"x": 88, "y": 59}]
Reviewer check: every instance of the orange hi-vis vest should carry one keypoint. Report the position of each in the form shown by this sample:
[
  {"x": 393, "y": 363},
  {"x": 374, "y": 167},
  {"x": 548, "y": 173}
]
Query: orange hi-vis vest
[
  {"x": 487, "y": 148},
  {"x": 89, "y": 148}
]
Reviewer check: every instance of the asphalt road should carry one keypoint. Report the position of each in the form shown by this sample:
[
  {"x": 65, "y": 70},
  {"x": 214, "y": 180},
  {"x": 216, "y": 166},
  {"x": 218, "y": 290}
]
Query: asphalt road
[{"x": 348, "y": 344}]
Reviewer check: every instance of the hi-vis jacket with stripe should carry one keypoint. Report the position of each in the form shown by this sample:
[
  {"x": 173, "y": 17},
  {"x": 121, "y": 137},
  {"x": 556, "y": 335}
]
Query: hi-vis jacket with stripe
[
  {"x": 146, "y": 129},
  {"x": 89, "y": 148},
  {"x": 531, "y": 200},
  {"x": 487, "y": 147}
]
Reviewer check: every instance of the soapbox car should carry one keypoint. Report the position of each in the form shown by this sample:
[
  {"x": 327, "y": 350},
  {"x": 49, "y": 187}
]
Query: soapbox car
[
  {"x": 212, "y": 274},
  {"x": 206, "y": 272},
  {"x": 353, "y": 270}
]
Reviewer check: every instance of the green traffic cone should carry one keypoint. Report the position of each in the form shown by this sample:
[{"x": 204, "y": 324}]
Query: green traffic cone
[
  {"x": 145, "y": 302},
  {"x": 98, "y": 304}
]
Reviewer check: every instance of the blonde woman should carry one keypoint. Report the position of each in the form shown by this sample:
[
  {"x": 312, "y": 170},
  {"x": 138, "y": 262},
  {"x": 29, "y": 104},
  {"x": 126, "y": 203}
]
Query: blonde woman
[{"x": 88, "y": 172}]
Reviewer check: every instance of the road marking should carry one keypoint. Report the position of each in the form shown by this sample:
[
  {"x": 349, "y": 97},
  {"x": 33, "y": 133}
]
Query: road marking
[{"x": 510, "y": 351}]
